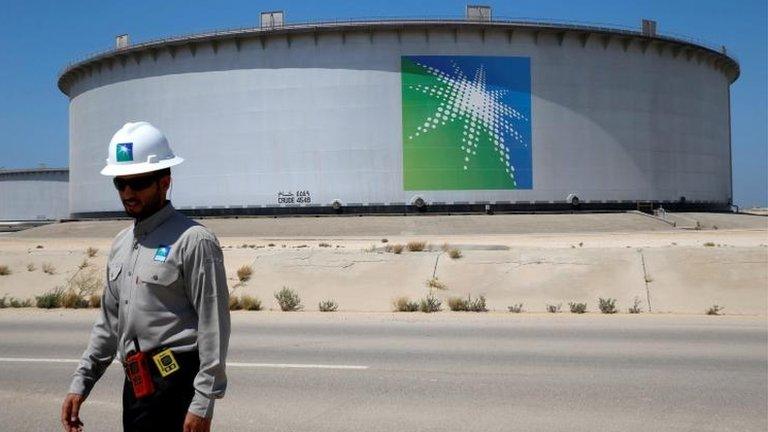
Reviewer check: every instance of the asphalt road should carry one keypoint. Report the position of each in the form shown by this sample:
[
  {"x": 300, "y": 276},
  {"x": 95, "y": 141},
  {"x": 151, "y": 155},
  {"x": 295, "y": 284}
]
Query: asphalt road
[{"x": 443, "y": 372}]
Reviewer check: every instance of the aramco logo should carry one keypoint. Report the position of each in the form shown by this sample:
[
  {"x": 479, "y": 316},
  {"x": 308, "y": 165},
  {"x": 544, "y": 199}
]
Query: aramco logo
[
  {"x": 466, "y": 122},
  {"x": 124, "y": 152}
]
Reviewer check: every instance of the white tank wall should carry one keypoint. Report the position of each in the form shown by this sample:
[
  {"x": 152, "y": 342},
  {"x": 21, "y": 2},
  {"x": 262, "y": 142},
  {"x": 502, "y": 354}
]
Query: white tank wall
[
  {"x": 607, "y": 124},
  {"x": 34, "y": 195}
]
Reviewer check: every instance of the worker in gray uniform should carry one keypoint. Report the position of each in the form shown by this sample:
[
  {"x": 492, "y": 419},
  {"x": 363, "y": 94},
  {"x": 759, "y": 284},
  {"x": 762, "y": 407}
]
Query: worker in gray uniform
[{"x": 165, "y": 306}]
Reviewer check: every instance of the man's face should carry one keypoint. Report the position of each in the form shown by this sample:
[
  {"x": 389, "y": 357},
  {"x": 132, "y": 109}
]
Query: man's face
[{"x": 142, "y": 194}]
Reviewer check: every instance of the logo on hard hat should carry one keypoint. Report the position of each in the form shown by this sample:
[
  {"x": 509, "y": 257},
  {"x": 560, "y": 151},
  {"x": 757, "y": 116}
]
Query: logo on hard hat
[{"x": 124, "y": 152}]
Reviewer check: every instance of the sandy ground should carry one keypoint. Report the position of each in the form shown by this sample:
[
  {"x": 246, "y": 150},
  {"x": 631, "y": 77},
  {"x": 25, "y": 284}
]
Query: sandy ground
[{"x": 676, "y": 271}]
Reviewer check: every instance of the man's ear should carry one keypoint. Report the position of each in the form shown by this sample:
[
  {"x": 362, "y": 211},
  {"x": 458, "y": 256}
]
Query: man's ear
[{"x": 165, "y": 184}]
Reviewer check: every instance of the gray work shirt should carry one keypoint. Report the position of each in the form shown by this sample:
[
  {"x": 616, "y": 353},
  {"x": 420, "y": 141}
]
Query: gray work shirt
[{"x": 167, "y": 287}]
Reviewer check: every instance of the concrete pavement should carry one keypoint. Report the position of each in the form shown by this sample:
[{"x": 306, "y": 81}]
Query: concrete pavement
[{"x": 449, "y": 371}]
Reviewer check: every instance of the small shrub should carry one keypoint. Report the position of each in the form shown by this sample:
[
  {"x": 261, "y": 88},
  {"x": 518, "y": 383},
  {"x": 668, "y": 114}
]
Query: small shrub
[
  {"x": 384, "y": 240},
  {"x": 416, "y": 246},
  {"x": 244, "y": 246},
  {"x": 324, "y": 245},
  {"x": 39, "y": 247},
  {"x": 94, "y": 301},
  {"x": 455, "y": 253},
  {"x": 244, "y": 273},
  {"x": 445, "y": 247},
  {"x": 370, "y": 249},
  {"x": 636, "y": 309},
  {"x": 3, "y": 304},
  {"x": 715, "y": 310},
  {"x": 458, "y": 304},
  {"x": 477, "y": 305},
  {"x": 91, "y": 252},
  {"x": 608, "y": 305},
  {"x": 404, "y": 304},
  {"x": 234, "y": 303},
  {"x": 4, "y": 270},
  {"x": 581, "y": 244},
  {"x": 86, "y": 283},
  {"x": 48, "y": 268},
  {"x": 19, "y": 303},
  {"x": 83, "y": 264},
  {"x": 72, "y": 300},
  {"x": 430, "y": 304},
  {"x": 51, "y": 299},
  {"x": 578, "y": 308},
  {"x": 397, "y": 249},
  {"x": 288, "y": 300},
  {"x": 271, "y": 245},
  {"x": 435, "y": 283},
  {"x": 327, "y": 306},
  {"x": 709, "y": 244},
  {"x": 301, "y": 246},
  {"x": 250, "y": 303},
  {"x": 516, "y": 308},
  {"x": 551, "y": 308},
  {"x": 31, "y": 267}
]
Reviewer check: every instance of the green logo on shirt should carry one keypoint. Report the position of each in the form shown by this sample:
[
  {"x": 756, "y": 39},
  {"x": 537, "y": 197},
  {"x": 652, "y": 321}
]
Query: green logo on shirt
[{"x": 161, "y": 254}]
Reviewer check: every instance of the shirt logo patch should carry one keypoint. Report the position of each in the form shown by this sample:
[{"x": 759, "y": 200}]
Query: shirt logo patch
[
  {"x": 161, "y": 254},
  {"x": 124, "y": 152}
]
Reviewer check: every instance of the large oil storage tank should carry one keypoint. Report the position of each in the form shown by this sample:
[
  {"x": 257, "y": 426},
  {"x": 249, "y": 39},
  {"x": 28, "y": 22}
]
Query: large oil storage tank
[{"x": 393, "y": 115}]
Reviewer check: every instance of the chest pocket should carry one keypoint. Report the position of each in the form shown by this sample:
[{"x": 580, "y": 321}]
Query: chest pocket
[
  {"x": 113, "y": 272},
  {"x": 160, "y": 289},
  {"x": 159, "y": 274}
]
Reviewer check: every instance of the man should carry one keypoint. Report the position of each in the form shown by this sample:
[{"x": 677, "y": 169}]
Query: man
[{"x": 165, "y": 297}]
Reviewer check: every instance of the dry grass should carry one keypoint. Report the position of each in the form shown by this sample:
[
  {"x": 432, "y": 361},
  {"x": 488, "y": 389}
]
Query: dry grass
[
  {"x": 244, "y": 273},
  {"x": 49, "y": 268},
  {"x": 435, "y": 283},
  {"x": 5, "y": 270},
  {"x": 516, "y": 308},
  {"x": 250, "y": 303},
  {"x": 31, "y": 267},
  {"x": 636, "y": 307},
  {"x": 396, "y": 249},
  {"x": 715, "y": 310},
  {"x": 94, "y": 301},
  {"x": 416, "y": 246},
  {"x": 430, "y": 304},
  {"x": 552, "y": 308},
  {"x": 607, "y": 305},
  {"x": 577, "y": 308},
  {"x": 404, "y": 304},
  {"x": 83, "y": 264},
  {"x": 91, "y": 252},
  {"x": 71, "y": 300},
  {"x": 328, "y": 306},
  {"x": 288, "y": 300}
]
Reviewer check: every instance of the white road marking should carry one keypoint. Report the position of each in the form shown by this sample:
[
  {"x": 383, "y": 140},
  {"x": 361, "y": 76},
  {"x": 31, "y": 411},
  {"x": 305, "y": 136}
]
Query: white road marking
[
  {"x": 293, "y": 365},
  {"x": 229, "y": 364}
]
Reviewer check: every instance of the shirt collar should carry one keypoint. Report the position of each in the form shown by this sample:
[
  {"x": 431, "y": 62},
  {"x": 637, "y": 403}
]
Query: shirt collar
[{"x": 149, "y": 224}]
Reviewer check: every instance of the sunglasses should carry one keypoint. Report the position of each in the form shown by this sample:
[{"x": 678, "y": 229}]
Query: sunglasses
[{"x": 136, "y": 183}]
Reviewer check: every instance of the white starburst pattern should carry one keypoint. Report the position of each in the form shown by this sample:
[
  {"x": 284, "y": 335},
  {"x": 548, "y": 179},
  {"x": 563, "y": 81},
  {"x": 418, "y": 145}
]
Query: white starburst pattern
[{"x": 481, "y": 110}]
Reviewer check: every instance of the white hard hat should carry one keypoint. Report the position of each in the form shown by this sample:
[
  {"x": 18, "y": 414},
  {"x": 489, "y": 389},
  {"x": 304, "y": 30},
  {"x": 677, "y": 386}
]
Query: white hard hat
[{"x": 138, "y": 148}]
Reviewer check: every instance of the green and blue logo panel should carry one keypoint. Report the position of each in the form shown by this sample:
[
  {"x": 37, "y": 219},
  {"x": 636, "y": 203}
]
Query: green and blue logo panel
[
  {"x": 124, "y": 152},
  {"x": 466, "y": 122}
]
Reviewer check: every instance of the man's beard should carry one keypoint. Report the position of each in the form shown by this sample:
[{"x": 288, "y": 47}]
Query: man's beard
[{"x": 148, "y": 209}]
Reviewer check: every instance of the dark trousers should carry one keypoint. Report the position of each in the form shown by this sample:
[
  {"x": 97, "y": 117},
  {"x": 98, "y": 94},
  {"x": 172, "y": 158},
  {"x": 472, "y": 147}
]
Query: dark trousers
[{"x": 166, "y": 408}]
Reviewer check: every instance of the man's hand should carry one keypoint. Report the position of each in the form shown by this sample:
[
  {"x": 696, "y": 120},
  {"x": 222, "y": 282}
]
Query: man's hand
[
  {"x": 70, "y": 412},
  {"x": 195, "y": 423}
]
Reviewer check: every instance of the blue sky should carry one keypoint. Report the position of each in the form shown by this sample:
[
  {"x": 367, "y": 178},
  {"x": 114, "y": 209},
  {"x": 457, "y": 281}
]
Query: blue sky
[{"x": 39, "y": 37}]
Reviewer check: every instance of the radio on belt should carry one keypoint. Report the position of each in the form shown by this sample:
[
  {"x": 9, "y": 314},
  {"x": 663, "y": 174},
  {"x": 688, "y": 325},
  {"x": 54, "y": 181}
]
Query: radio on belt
[{"x": 137, "y": 369}]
